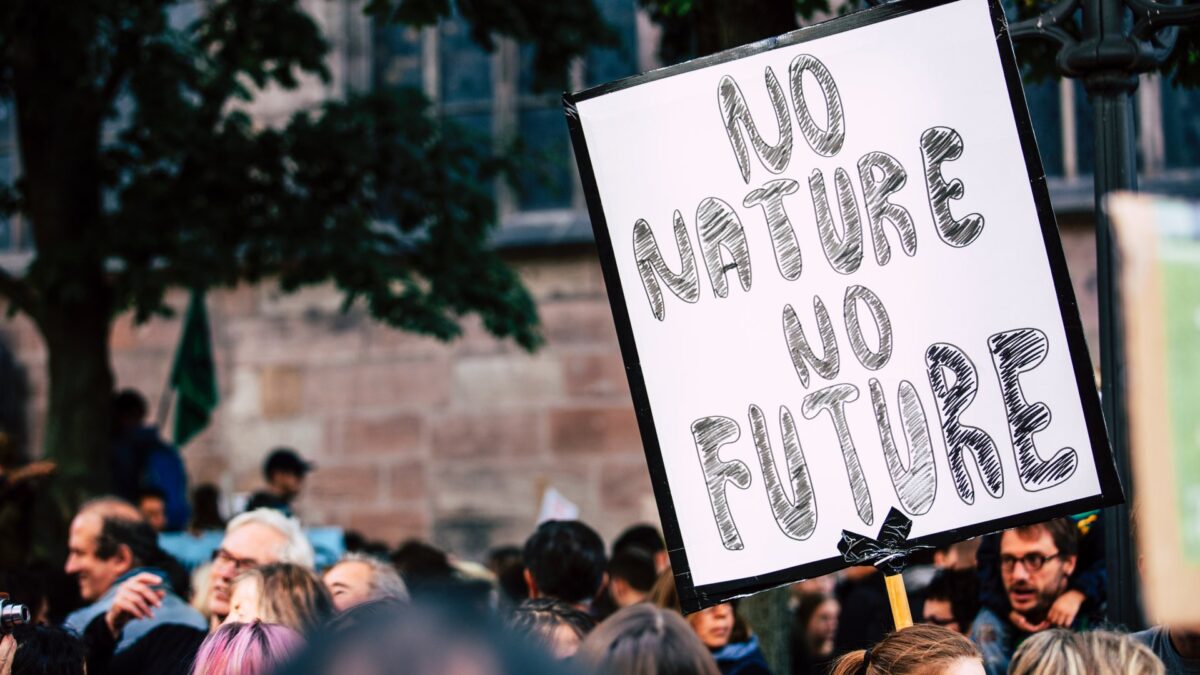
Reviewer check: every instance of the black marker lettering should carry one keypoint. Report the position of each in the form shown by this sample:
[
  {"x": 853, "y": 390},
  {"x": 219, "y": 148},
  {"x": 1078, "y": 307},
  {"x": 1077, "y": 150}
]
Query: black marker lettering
[
  {"x": 875, "y": 193},
  {"x": 718, "y": 227},
  {"x": 710, "y": 433},
  {"x": 834, "y": 399},
  {"x": 843, "y": 250},
  {"x": 952, "y": 400},
  {"x": 650, "y": 263},
  {"x": 783, "y": 235},
  {"x": 871, "y": 360},
  {"x": 796, "y": 518},
  {"x": 942, "y": 144},
  {"x": 1015, "y": 352},
  {"x": 915, "y": 486},
  {"x": 826, "y": 142},
  {"x": 734, "y": 109},
  {"x": 802, "y": 353}
]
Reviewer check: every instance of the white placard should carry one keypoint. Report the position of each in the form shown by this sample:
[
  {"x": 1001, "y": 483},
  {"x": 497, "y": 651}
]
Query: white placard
[{"x": 879, "y": 288}]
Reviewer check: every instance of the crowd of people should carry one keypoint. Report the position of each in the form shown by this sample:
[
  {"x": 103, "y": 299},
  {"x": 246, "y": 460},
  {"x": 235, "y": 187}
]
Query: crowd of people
[{"x": 1026, "y": 601}]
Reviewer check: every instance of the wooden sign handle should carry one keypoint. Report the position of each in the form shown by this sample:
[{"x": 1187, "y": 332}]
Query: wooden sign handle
[{"x": 898, "y": 599}]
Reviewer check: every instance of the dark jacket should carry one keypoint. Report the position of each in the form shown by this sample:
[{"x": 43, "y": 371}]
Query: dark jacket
[
  {"x": 742, "y": 658},
  {"x": 142, "y": 459},
  {"x": 166, "y": 650}
]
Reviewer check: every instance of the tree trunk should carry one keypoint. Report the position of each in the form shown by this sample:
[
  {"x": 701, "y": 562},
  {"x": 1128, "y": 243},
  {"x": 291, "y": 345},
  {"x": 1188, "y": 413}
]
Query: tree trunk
[
  {"x": 77, "y": 433},
  {"x": 722, "y": 24},
  {"x": 56, "y": 82}
]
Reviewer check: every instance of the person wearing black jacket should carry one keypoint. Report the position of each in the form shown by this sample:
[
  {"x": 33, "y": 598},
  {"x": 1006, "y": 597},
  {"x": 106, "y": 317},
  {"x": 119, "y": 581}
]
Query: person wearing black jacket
[{"x": 166, "y": 650}]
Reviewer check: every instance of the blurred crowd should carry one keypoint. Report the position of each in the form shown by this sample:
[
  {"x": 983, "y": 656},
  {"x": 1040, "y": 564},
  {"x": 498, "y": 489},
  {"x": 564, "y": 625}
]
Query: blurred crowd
[{"x": 1025, "y": 601}]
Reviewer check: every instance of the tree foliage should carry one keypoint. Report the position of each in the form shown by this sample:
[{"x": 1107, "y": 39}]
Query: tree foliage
[{"x": 375, "y": 193}]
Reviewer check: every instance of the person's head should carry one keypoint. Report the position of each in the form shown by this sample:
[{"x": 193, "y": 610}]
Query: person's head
[
  {"x": 645, "y": 538},
  {"x": 45, "y": 650},
  {"x": 817, "y": 620},
  {"x": 1050, "y": 652},
  {"x": 631, "y": 576},
  {"x": 421, "y": 564},
  {"x": 957, "y": 556},
  {"x": 357, "y": 578},
  {"x": 129, "y": 410},
  {"x": 564, "y": 559},
  {"x": 645, "y": 640},
  {"x": 952, "y": 600},
  {"x": 509, "y": 567},
  {"x": 281, "y": 593},
  {"x": 556, "y": 626},
  {"x": 385, "y": 637},
  {"x": 922, "y": 649},
  {"x": 206, "y": 508},
  {"x": 284, "y": 471},
  {"x": 152, "y": 503},
  {"x": 713, "y": 625},
  {"x": 107, "y": 539},
  {"x": 1113, "y": 653},
  {"x": 251, "y": 539},
  {"x": 1035, "y": 562},
  {"x": 246, "y": 649}
]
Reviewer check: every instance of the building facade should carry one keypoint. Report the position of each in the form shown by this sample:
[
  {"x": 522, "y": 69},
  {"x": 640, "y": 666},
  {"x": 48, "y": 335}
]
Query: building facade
[{"x": 457, "y": 442}]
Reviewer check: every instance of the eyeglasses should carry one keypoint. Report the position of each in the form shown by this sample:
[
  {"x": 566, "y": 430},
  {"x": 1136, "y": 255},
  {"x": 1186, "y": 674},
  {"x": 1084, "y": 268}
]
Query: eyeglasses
[
  {"x": 939, "y": 621},
  {"x": 1032, "y": 561},
  {"x": 221, "y": 556}
]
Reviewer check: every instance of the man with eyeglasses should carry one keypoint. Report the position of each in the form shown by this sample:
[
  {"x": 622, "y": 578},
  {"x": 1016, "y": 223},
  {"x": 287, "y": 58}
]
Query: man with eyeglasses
[
  {"x": 1035, "y": 564},
  {"x": 251, "y": 539}
]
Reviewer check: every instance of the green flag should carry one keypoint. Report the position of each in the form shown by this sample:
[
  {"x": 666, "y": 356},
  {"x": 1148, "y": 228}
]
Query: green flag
[{"x": 193, "y": 376}]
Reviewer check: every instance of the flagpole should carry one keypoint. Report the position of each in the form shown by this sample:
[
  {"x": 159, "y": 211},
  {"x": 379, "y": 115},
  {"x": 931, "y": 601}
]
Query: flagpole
[{"x": 164, "y": 403}]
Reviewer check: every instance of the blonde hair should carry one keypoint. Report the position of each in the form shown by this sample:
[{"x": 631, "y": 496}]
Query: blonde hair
[
  {"x": 1119, "y": 654},
  {"x": 1101, "y": 652},
  {"x": 1050, "y": 652},
  {"x": 915, "y": 649},
  {"x": 289, "y": 595}
]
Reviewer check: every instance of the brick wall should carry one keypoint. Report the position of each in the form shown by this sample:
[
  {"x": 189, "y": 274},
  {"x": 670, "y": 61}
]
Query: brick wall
[{"x": 453, "y": 442}]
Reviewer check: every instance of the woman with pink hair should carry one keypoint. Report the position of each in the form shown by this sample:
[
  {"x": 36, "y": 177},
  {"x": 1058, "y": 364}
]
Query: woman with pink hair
[{"x": 246, "y": 649}]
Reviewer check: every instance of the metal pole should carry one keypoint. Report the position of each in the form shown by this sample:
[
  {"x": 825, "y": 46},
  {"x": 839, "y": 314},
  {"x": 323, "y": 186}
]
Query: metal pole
[
  {"x": 1115, "y": 170},
  {"x": 1111, "y": 93}
]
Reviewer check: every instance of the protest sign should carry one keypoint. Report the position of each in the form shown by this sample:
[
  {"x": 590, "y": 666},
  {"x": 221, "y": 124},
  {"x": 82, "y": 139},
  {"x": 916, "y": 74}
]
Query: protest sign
[
  {"x": 1159, "y": 242},
  {"x": 839, "y": 289}
]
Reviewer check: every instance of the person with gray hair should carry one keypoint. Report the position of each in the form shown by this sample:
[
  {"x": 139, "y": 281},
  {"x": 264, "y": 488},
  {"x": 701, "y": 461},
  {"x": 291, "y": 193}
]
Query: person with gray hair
[
  {"x": 358, "y": 578},
  {"x": 251, "y": 539}
]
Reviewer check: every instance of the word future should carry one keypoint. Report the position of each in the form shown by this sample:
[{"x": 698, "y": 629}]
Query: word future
[{"x": 952, "y": 375}]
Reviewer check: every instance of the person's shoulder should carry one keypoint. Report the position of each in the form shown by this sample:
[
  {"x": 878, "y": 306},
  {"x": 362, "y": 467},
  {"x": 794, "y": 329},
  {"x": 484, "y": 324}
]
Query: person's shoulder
[
  {"x": 1150, "y": 637},
  {"x": 78, "y": 620},
  {"x": 988, "y": 625}
]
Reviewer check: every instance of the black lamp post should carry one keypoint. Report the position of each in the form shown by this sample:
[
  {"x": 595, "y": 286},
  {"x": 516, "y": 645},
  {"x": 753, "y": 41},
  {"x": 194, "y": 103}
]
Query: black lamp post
[{"x": 1118, "y": 40}]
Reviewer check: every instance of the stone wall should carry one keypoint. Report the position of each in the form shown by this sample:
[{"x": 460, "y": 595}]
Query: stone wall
[{"x": 453, "y": 442}]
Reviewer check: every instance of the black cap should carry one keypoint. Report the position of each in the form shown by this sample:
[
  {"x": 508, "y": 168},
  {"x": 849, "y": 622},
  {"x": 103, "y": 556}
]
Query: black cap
[{"x": 285, "y": 460}]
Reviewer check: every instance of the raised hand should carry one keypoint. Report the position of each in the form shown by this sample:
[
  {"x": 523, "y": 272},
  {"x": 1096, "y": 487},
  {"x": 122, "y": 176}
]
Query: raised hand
[{"x": 137, "y": 597}]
